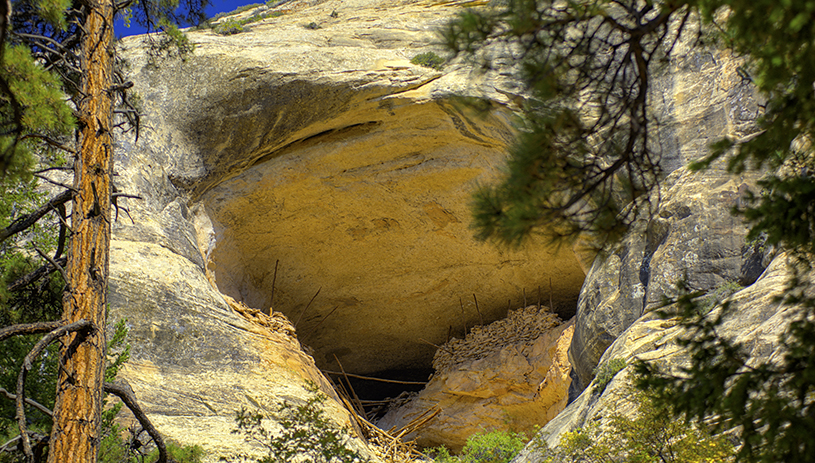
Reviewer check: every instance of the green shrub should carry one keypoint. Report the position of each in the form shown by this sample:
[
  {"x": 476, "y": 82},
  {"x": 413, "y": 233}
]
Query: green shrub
[
  {"x": 115, "y": 448},
  {"x": 243, "y": 8},
  {"x": 236, "y": 26},
  {"x": 487, "y": 447},
  {"x": 230, "y": 27},
  {"x": 715, "y": 297},
  {"x": 492, "y": 447},
  {"x": 313, "y": 26},
  {"x": 428, "y": 60},
  {"x": 603, "y": 373},
  {"x": 651, "y": 436},
  {"x": 180, "y": 453},
  {"x": 306, "y": 433}
]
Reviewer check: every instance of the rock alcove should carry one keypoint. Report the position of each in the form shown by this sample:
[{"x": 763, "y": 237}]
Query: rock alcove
[
  {"x": 367, "y": 226},
  {"x": 328, "y": 154}
]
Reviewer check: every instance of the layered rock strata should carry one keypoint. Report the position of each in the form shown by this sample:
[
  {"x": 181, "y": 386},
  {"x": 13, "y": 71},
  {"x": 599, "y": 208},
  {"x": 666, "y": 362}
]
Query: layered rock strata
[{"x": 198, "y": 357}]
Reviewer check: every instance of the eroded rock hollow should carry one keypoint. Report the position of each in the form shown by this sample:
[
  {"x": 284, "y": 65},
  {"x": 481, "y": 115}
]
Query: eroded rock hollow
[
  {"x": 374, "y": 214},
  {"x": 324, "y": 153}
]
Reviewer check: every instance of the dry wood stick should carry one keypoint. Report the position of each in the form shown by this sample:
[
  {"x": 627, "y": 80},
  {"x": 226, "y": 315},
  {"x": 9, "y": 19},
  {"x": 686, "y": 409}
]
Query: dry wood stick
[
  {"x": 26, "y": 221},
  {"x": 55, "y": 265},
  {"x": 63, "y": 227},
  {"x": 274, "y": 280},
  {"x": 371, "y": 378},
  {"x": 479, "y": 312},
  {"x": 307, "y": 306},
  {"x": 436, "y": 346},
  {"x": 321, "y": 321},
  {"x": 361, "y": 409},
  {"x": 123, "y": 391},
  {"x": 31, "y": 402},
  {"x": 29, "y": 328},
  {"x": 463, "y": 317},
  {"x": 551, "y": 305}
]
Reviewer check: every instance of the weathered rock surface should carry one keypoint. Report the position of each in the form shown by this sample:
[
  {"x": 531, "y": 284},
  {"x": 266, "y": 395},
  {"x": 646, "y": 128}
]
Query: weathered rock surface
[
  {"x": 698, "y": 99},
  {"x": 755, "y": 319},
  {"x": 510, "y": 375},
  {"x": 326, "y": 150},
  {"x": 197, "y": 357},
  {"x": 692, "y": 236}
]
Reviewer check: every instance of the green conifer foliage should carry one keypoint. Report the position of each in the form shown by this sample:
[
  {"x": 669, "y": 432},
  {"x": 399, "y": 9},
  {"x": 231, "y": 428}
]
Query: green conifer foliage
[
  {"x": 56, "y": 64},
  {"x": 43, "y": 109},
  {"x": 647, "y": 435}
]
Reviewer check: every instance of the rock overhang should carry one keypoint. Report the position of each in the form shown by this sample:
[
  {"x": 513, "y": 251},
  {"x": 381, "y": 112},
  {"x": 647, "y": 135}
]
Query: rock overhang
[
  {"x": 353, "y": 169},
  {"x": 375, "y": 216}
]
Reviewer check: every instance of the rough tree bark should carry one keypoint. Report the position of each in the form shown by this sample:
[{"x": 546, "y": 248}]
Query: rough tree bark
[{"x": 77, "y": 411}]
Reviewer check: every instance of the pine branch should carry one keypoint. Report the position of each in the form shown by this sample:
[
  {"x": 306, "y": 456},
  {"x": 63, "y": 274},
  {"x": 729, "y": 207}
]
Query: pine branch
[
  {"x": 31, "y": 402},
  {"x": 25, "y": 222},
  {"x": 36, "y": 275},
  {"x": 29, "y": 328},
  {"x": 122, "y": 390}
]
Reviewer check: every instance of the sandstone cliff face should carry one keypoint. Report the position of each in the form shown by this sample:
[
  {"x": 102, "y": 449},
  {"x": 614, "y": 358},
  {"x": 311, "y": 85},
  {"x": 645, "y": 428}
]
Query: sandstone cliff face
[
  {"x": 327, "y": 151},
  {"x": 693, "y": 235},
  {"x": 756, "y": 319},
  {"x": 198, "y": 357},
  {"x": 699, "y": 98},
  {"x": 324, "y": 150}
]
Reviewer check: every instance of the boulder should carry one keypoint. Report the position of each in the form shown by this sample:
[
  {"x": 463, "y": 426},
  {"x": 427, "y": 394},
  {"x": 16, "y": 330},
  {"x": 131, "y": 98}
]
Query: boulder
[{"x": 510, "y": 375}]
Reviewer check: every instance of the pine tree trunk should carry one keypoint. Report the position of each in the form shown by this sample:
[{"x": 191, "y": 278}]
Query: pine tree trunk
[{"x": 77, "y": 412}]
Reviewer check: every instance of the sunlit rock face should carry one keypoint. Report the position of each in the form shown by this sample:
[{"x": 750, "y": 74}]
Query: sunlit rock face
[
  {"x": 375, "y": 217},
  {"x": 325, "y": 150},
  {"x": 512, "y": 375},
  {"x": 755, "y": 320},
  {"x": 198, "y": 357},
  {"x": 693, "y": 237}
]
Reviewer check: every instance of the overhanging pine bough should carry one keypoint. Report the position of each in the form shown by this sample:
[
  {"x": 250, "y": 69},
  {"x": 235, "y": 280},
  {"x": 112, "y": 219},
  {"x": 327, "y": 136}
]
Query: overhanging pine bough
[
  {"x": 559, "y": 161},
  {"x": 588, "y": 153}
]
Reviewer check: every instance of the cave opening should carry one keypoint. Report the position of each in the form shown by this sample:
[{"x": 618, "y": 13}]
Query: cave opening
[{"x": 378, "y": 392}]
